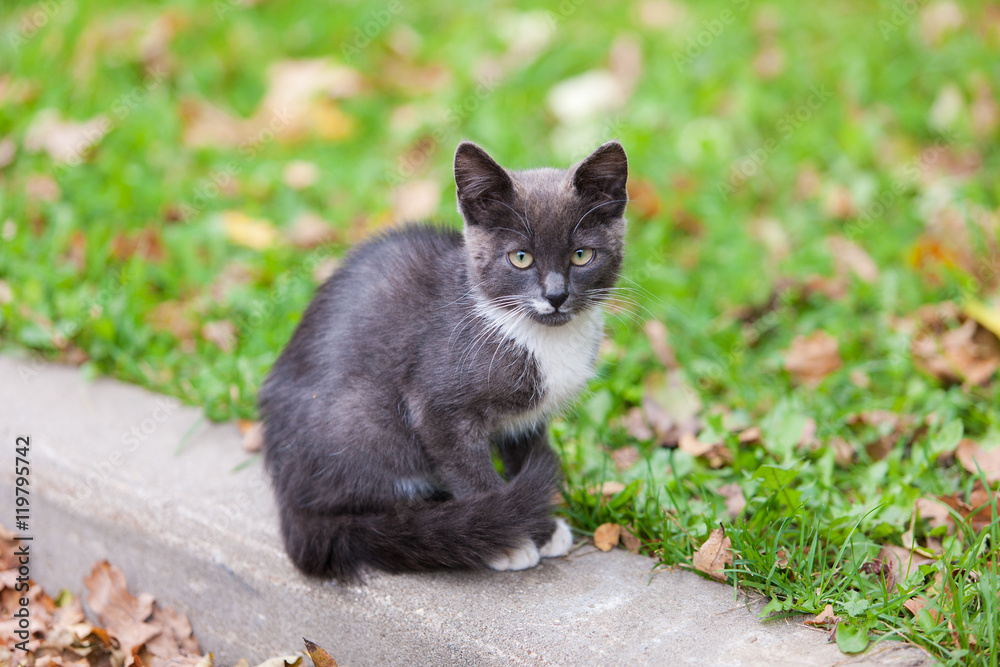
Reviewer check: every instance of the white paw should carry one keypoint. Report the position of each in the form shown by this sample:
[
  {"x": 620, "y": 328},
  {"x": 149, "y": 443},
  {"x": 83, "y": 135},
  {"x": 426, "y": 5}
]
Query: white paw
[
  {"x": 518, "y": 558},
  {"x": 559, "y": 543}
]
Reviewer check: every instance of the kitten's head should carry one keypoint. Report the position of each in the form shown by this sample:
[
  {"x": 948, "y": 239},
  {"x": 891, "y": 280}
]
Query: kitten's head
[{"x": 543, "y": 243}]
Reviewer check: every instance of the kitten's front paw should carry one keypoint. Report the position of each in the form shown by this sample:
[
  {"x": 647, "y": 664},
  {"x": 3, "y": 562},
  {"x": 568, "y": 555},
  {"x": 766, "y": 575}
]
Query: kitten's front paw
[
  {"x": 559, "y": 543},
  {"x": 518, "y": 558}
]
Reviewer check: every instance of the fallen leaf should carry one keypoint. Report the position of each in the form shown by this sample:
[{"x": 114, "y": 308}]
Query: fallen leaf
[
  {"x": 634, "y": 423},
  {"x": 41, "y": 187},
  {"x": 174, "y": 317},
  {"x": 974, "y": 458},
  {"x": 220, "y": 332},
  {"x": 690, "y": 444},
  {"x": 643, "y": 201},
  {"x": 254, "y": 233},
  {"x": 630, "y": 541},
  {"x": 735, "y": 501},
  {"x": 607, "y": 536},
  {"x": 881, "y": 431},
  {"x": 607, "y": 489},
  {"x": 253, "y": 438},
  {"x": 966, "y": 353},
  {"x": 8, "y": 149},
  {"x": 209, "y": 126},
  {"x": 980, "y": 508},
  {"x": 769, "y": 61},
  {"x": 714, "y": 555},
  {"x": 145, "y": 244},
  {"x": 625, "y": 457},
  {"x": 318, "y": 655},
  {"x": 657, "y": 334},
  {"x": 849, "y": 256},
  {"x": 750, "y": 435},
  {"x": 416, "y": 200},
  {"x": 824, "y": 619},
  {"x": 300, "y": 174},
  {"x": 66, "y": 142},
  {"x": 938, "y": 19},
  {"x": 670, "y": 406},
  {"x": 811, "y": 358},
  {"x": 123, "y": 615}
]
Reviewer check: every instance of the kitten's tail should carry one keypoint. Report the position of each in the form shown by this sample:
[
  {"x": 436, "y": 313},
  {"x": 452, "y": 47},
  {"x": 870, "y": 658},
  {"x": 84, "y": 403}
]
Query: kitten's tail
[{"x": 467, "y": 533}]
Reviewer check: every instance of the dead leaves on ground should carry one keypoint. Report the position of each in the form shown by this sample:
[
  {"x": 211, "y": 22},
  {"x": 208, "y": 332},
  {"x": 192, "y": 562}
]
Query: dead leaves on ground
[
  {"x": 715, "y": 555},
  {"x": 952, "y": 346},
  {"x": 130, "y": 630}
]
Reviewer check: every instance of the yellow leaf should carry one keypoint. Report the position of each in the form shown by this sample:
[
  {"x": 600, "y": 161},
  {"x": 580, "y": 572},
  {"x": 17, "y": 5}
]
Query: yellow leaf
[
  {"x": 607, "y": 535},
  {"x": 987, "y": 316},
  {"x": 319, "y": 657},
  {"x": 253, "y": 233}
]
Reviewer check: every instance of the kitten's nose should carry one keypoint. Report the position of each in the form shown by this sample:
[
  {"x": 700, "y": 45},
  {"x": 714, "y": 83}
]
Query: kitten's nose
[{"x": 557, "y": 299}]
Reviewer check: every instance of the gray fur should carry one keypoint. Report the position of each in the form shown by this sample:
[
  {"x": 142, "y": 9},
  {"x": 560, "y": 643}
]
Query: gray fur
[{"x": 419, "y": 356}]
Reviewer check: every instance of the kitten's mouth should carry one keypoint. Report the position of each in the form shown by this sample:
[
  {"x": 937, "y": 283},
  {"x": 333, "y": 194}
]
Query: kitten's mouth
[{"x": 553, "y": 319}]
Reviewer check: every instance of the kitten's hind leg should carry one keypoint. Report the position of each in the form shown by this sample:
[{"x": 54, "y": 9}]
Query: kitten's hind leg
[
  {"x": 559, "y": 543},
  {"x": 519, "y": 558}
]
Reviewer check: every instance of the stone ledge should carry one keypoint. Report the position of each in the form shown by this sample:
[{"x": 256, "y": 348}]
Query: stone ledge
[{"x": 124, "y": 474}]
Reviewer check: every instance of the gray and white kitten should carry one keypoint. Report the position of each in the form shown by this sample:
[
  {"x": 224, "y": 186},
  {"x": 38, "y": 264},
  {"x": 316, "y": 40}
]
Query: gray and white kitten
[{"x": 429, "y": 349}]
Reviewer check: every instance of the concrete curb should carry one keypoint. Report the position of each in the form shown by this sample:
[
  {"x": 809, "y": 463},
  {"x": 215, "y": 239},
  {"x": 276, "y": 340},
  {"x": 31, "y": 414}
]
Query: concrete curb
[{"x": 197, "y": 528}]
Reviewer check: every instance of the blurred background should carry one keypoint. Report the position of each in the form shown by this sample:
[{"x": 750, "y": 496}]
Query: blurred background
[{"x": 177, "y": 177}]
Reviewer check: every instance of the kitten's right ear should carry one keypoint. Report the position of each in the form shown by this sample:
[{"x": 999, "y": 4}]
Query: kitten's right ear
[{"x": 480, "y": 181}]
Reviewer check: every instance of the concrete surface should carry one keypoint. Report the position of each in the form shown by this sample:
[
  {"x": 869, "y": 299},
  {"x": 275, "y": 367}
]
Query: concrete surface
[{"x": 199, "y": 532}]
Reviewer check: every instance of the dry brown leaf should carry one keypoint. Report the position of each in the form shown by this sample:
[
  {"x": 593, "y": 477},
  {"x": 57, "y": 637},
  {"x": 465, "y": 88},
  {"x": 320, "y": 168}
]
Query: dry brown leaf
[
  {"x": 625, "y": 457},
  {"x": 607, "y": 489},
  {"x": 300, "y": 174},
  {"x": 967, "y": 353},
  {"x": 318, "y": 655},
  {"x": 146, "y": 244},
  {"x": 174, "y": 317},
  {"x": 8, "y": 149},
  {"x": 773, "y": 235},
  {"x": 253, "y": 233},
  {"x": 643, "y": 201},
  {"x": 980, "y": 508},
  {"x": 824, "y": 619},
  {"x": 974, "y": 458},
  {"x": 937, "y": 513},
  {"x": 220, "y": 332},
  {"x": 253, "y": 437},
  {"x": 690, "y": 444},
  {"x": 657, "y": 334},
  {"x": 634, "y": 423},
  {"x": 885, "y": 430},
  {"x": 811, "y": 358},
  {"x": 849, "y": 256},
  {"x": 607, "y": 535},
  {"x": 123, "y": 615},
  {"x": 714, "y": 555},
  {"x": 735, "y": 502},
  {"x": 209, "y": 126},
  {"x": 769, "y": 61},
  {"x": 294, "y": 84},
  {"x": 66, "y": 142},
  {"x": 938, "y": 19},
  {"x": 176, "y": 644},
  {"x": 670, "y": 406},
  {"x": 630, "y": 541},
  {"x": 416, "y": 200},
  {"x": 750, "y": 435},
  {"x": 41, "y": 188}
]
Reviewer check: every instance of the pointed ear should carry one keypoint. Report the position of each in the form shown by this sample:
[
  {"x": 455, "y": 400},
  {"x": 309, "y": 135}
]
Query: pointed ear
[
  {"x": 601, "y": 177},
  {"x": 479, "y": 179}
]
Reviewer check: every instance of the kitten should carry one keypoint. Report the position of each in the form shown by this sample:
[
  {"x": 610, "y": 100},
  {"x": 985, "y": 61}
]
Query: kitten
[{"x": 427, "y": 350}]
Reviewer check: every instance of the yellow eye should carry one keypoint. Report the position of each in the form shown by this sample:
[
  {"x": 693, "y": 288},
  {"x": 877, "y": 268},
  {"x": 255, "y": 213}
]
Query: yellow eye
[
  {"x": 521, "y": 259},
  {"x": 582, "y": 256}
]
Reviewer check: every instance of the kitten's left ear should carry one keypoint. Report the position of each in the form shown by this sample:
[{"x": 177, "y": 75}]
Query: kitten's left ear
[{"x": 601, "y": 177}]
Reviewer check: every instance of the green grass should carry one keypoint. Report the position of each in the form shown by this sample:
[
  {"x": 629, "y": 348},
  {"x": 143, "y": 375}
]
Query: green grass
[{"x": 859, "y": 106}]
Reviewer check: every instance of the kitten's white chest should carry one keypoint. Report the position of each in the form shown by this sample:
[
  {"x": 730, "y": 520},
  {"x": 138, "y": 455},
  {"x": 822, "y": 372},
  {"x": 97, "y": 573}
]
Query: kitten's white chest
[{"x": 565, "y": 358}]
